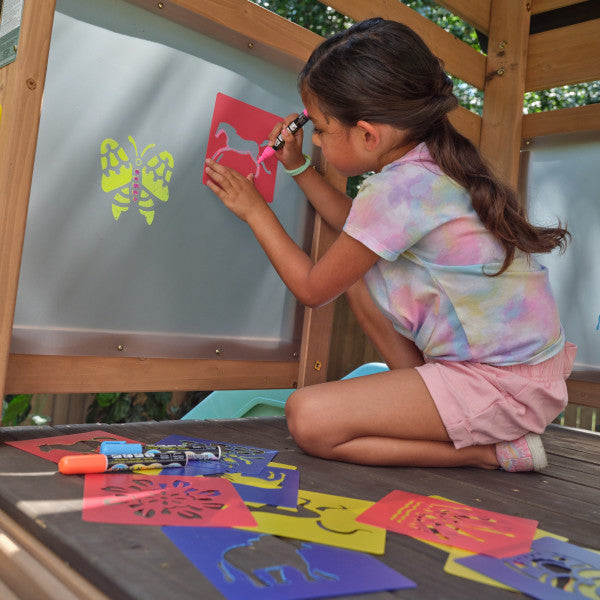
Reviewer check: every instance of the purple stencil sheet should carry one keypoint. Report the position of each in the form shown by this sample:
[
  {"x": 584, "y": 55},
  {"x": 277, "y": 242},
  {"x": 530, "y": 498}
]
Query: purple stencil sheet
[
  {"x": 273, "y": 486},
  {"x": 244, "y": 565},
  {"x": 552, "y": 570},
  {"x": 235, "y": 458}
]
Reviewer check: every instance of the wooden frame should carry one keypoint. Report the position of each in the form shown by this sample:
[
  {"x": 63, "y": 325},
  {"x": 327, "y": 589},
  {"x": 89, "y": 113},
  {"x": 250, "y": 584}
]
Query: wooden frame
[
  {"x": 239, "y": 23},
  {"x": 516, "y": 62}
]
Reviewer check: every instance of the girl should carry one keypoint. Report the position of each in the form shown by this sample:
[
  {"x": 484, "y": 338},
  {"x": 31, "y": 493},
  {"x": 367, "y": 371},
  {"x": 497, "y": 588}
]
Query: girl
[{"x": 434, "y": 255}]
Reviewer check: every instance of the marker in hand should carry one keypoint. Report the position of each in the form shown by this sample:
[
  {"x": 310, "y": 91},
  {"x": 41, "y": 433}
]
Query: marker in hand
[{"x": 294, "y": 126}]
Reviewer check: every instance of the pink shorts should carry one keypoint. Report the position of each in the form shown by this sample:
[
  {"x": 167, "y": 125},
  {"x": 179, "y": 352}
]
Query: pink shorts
[{"x": 483, "y": 404}]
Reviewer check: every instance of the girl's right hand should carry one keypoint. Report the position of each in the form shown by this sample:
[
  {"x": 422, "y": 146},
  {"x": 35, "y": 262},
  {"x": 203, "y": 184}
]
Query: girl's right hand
[{"x": 290, "y": 155}]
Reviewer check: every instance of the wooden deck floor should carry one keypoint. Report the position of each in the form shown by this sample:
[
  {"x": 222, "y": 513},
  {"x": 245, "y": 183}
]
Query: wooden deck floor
[{"x": 43, "y": 509}]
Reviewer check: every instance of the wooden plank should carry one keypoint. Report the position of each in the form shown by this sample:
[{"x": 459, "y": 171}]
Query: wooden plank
[
  {"x": 32, "y": 571},
  {"x": 540, "y": 6},
  {"x": 476, "y": 14},
  {"x": 243, "y": 25},
  {"x": 30, "y": 374},
  {"x": 576, "y": 445},
  {"x": 565, "y": 120},
  {"x": 22, "y": 98},
  {"x": 584, "y": 393},
  {"x": 318, "y": 322},
  {"x": 459, "y": 58},
  {"x": 503, "y": 106},
  {"x": 466, "y": 122},
  {"x": 563, "y": 56},
  {"x": 563, "y": 499}
]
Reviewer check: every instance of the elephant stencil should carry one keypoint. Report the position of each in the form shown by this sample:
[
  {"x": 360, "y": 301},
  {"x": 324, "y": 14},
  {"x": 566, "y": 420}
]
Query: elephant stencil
[{"x": 264, "y": 560}]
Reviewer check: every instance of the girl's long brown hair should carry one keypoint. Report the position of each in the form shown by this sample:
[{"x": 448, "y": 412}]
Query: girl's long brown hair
[{"x": 381, "y": 71}]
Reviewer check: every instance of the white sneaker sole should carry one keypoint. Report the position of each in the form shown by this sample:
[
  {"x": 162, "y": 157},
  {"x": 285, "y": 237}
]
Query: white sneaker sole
[{"x": 540, "y": 460}]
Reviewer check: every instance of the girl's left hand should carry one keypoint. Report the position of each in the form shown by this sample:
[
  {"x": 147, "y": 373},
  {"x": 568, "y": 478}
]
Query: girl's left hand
[{"x": 236, "y": 192}]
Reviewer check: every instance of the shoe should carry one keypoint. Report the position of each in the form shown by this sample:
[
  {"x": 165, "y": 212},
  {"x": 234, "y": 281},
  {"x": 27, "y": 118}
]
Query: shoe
[{"x": 523, "y": 454}]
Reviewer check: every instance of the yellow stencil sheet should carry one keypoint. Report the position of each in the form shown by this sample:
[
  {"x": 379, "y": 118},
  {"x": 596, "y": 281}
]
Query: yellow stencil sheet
[
  {"x": 454, "y": 568},
  {"x": 272, "y": 481},
  {"x": 322, "y": 518},
  {"x": 454, "y": 554},
  {"x": 277, "y": 465}
]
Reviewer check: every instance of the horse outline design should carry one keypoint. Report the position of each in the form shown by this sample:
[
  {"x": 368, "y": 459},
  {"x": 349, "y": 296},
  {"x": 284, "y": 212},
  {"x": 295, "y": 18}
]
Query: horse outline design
[
  {"x": 256, "y": 560},
  {"x": 234, "y": 142}
]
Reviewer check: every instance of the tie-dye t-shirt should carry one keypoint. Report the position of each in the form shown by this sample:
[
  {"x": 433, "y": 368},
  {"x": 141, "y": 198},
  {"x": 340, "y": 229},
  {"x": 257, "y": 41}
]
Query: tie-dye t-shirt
[{"x": 430, "y": 280}]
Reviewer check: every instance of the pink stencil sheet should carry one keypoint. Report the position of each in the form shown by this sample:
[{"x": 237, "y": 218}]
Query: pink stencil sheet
[
  {"x": 54, "y": 448},
  {"x": 238, "y": 135},
  {"x": 139, "y": 499},
  {"x": 452, "y": 524}
]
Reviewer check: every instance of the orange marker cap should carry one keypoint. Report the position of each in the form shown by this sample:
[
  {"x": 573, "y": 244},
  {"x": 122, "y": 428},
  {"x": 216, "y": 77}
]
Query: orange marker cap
[{"x": 79, "y": 464}]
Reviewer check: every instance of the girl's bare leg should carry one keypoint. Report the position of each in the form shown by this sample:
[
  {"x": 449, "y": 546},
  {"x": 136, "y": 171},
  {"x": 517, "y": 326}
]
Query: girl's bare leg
[
  {"x": 397, "y": 351},
  {"x": 383, "y": 419}
]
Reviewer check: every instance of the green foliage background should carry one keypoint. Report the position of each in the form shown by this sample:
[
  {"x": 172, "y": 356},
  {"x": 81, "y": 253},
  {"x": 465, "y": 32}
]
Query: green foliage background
[{"x": 323, "y": 20}]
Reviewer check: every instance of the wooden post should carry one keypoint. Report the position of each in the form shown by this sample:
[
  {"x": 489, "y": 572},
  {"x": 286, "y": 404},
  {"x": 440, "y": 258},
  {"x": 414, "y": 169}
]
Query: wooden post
[
  {"x": 315, "y": 349},
  {"x": 21, "y": 106},
  {"x": 505, "y": 86}
]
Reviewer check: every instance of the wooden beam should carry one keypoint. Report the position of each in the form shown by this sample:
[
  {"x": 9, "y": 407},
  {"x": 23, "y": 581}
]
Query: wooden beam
[
  {"x": 318, "y": 322},
  {"x": 243, "y": 25},
  {"x": 563, "y": 56},
  {"x": 29, "y": 374},
  {"x": 22, "y": 98},
  {"x": 565, "y": 120},
  {"x": 584, "y": 393},
  {"x": 476, "y": 14},
  {"x": 540, "y": 6},
  {"x": 459, "y": 58},
  {"x": 503, "y": 106},
  {"x": 29, "y": 569},
  {"x": 467, "y": 123}
]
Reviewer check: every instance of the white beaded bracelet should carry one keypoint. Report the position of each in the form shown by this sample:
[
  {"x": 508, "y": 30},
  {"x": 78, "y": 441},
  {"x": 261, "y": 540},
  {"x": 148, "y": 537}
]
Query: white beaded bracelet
[{"x": 301, "y": 169}]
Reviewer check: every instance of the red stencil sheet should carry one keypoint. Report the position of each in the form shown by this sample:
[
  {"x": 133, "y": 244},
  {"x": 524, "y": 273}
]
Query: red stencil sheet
[
  {"x": 457, "y": 525},
  {"x": 238, "y": 135},
  {"x": 139, "y": 499},
  {"x": 54, "y": 448}
]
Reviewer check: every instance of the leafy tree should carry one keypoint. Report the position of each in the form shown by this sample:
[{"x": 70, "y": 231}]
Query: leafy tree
[
  {"x": 130, "y": 408},
  {"x": 15, "y": 409}
]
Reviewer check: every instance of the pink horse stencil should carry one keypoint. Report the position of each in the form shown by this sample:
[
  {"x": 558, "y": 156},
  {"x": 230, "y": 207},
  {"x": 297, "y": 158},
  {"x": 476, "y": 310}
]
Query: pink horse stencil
[
  {"x": 238, "y": 134},
  {"x": 236, "y": 143}
]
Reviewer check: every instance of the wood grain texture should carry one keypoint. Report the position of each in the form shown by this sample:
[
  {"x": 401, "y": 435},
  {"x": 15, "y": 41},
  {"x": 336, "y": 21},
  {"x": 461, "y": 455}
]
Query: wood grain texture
[
  {"x": 28, "y": 374},
  {"x": 142, "y": 563},
  {"x": 459, "y": 58},
  {"x": 563, "y": 56},
  {"x": 503, "y": 106},
  {"x": 23, "y": 87}
]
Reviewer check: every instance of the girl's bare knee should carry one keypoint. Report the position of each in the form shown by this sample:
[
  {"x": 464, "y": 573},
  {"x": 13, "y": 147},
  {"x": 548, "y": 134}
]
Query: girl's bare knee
[{"x": 302, "y": 420}]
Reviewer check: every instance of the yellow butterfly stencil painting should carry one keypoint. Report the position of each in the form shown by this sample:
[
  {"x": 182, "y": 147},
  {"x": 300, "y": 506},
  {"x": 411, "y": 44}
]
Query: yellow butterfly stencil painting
[{"x": 137, "y": 182}]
